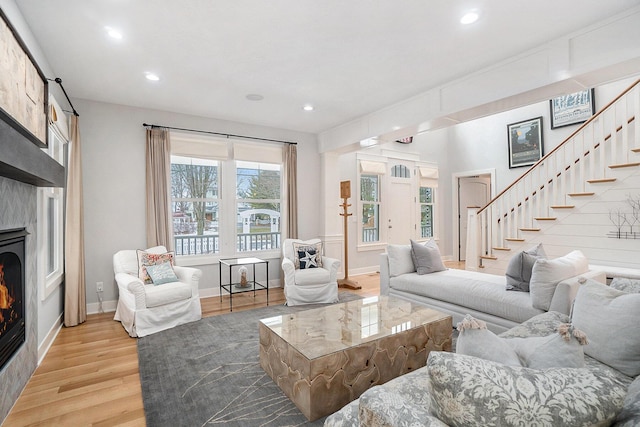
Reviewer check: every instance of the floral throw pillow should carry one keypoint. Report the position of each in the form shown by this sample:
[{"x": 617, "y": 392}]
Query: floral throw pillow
[
  {"x": 146, "y": 258},
  {"x": 469, "y": 391},
  {"x": 308, "y": 255}
]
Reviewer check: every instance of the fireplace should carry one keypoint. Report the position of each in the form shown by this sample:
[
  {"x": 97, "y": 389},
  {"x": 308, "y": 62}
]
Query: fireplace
[{"x": 12, "y": 291}]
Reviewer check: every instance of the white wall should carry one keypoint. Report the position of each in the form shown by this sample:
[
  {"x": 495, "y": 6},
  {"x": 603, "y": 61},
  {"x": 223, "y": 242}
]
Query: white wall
[{"x": 113, "y": 160}]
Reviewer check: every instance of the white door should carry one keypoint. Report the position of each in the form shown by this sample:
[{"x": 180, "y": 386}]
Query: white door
[
  {"x": 473, "y": 191},
  {"x": 401, "y": 203}
]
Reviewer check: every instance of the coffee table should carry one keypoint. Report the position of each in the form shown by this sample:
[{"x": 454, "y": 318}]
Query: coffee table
[{"x": 326, "y": 357}]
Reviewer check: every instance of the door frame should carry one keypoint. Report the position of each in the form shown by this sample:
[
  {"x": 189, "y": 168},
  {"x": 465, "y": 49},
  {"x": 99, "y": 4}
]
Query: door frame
[{"x": 455, "y": 244}]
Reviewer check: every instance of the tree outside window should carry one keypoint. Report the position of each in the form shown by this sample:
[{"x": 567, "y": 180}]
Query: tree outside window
[{"x": 426, "y": 211}]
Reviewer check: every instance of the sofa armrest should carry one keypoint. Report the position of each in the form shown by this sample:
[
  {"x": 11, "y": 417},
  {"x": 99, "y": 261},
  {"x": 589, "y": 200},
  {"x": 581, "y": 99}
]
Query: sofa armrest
[
  {"x": 384, "y": 274},
  {"x": 128, "y": 283},
  {"x": 381, "y": 407},
  {"x": 567, "y": 290},
  {"x": 191, "y": 276},
  {"x": 332, "y": 265},
  {"x": 289, "y": 269}
]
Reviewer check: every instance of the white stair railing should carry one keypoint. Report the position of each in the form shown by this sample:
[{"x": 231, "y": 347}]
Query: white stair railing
[{"x": 603, "y": 142}]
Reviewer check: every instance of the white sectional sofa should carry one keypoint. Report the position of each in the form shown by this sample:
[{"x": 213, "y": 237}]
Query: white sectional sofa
[{"x": 484, "y": 296}]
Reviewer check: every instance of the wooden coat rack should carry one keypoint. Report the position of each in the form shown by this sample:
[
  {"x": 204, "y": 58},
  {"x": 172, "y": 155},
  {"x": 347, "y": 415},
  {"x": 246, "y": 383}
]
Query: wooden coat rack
[{"x": 345, "y": 193}]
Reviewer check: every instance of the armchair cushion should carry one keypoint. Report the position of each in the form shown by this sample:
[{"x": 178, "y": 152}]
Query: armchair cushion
[
  {"x": 157, "y": 296},
  {"x": 312, "y": 276},
  {"x": 147, "y": 258}
]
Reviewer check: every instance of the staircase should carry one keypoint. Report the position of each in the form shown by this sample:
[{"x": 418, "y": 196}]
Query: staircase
[{"x": 578, "y": 196}]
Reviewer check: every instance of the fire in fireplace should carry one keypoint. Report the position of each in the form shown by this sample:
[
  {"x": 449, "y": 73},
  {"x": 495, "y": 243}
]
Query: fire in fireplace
[{"x": 12, "y": 284}]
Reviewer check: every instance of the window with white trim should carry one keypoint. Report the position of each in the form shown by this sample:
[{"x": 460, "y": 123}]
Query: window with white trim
[
  {"x": 371, "y": 173},
  {"x": 226, "y": 196},
  {"x": 426, "y": 200},
  {"x": 50, "y": 208}
]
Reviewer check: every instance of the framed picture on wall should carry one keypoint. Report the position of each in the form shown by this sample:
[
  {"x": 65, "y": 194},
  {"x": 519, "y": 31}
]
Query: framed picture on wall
[
  {"x": 573, "y": 108},
  {"x": 525, "y": 142}
]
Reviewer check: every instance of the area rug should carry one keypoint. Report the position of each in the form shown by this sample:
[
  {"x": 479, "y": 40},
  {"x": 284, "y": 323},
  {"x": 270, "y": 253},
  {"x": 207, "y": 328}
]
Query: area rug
[{"x": 207, "y": 373}]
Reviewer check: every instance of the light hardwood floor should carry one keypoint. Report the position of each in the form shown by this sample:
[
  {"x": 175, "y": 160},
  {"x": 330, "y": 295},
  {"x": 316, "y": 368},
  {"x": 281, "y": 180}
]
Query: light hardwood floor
[{"x": 90, "y": 375}]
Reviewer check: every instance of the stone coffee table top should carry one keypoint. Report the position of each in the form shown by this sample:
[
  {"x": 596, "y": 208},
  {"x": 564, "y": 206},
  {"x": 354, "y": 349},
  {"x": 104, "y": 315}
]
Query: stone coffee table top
[{"x": 321, "y": 331}]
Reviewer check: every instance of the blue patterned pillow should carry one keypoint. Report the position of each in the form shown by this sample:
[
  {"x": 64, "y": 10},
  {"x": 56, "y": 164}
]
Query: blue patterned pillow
[
  {"x": 308, "y": 258},
  {"x": 161, "y": 273}
]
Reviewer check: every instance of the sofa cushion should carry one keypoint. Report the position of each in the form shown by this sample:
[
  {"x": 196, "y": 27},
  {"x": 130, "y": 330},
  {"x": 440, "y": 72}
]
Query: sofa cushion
[
  {"x": 471, "y": 391},
  {"x": 626, "y": 284},
  {"x": 426, "y": 257},
  {"x": 547, "y": 273},
  {"x": 476, "y": 291},
  {"x": 601, "y": 311},
  {"x": 400, "y": 260},
  {"x": 630, "y": 414},
  {"x": 520, "y": 266},
  {"x": 161, "y": 295},
  {"x": 312, "y": 276},
  {"x": 554, "y": 350},
  {"x": 380, "y": 406}
]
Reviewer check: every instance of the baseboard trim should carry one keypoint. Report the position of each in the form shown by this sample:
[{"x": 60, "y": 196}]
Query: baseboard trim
[
  {"x": 107, "y": 306},
  {"x": 43, "y": 348}
]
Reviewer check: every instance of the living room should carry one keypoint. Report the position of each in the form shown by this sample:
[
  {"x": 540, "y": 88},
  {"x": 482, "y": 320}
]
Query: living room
[{"x": 467, "y": 115}]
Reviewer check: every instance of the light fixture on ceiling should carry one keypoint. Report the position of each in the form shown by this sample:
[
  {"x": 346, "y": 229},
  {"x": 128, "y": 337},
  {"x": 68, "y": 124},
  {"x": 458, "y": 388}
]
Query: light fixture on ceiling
[
  {"x": 469, "y": 18},
  {"x": 152, "y": 77},
  {"x": 255, "y": 97},
  {"x": 113, "y": 33},
  {"x": 308, "y": 107}
]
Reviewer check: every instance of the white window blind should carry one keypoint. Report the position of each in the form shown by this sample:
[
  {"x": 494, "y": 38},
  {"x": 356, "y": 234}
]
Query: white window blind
[
  {"x": 369, "y": 167},
  {"x": 428, "y": 176}
]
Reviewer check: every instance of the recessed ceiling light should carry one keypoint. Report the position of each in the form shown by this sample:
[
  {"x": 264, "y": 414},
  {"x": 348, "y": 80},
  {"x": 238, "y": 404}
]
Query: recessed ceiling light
[
  {"x": 152, "y": 77},
  {"x": 113, "y": 33},
  {"x": 255, "y": 97},
  {"x": 308, "y": 107},
  {"x": 469, "y": 18}
]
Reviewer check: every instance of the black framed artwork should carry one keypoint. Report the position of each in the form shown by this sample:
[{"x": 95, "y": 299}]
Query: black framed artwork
[
  {"x": 572, "y": 109},
  {"x": 525, "y": 142}
]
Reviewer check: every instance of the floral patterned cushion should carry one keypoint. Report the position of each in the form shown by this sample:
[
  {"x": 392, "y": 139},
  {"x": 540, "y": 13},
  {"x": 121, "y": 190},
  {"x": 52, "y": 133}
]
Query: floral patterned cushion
[
  {"x": 147, "y": 258},
  {"x": 630, "y": 414},
  {"x": 382, "y": 407},
  {"x": 474, "y": 392},
  {"x": 626, "y": 284},
  {"x": 345, "y": 417}
]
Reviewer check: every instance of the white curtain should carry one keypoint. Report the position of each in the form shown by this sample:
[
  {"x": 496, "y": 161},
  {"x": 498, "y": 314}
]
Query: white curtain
[
  {"x": 158, "y": 180},
  {"x": 75, "y": 302}
]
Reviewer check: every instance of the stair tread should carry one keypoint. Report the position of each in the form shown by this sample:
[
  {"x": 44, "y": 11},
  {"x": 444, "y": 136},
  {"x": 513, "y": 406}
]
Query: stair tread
[
  {"x": 599, "y": 180},
  {"x": 501, "y": 249},
  {"x": 562, "y": 206},
  {"x": 488, "y": 257},
  {"x": 545, "y": 218},
  {"x": 514, "y": 239},
  {"x": 624, "y": 165},
  {"x": 636, "y": 150},
  {"x": 529, "y": 229},
  {"x": 581, "y": 194}
]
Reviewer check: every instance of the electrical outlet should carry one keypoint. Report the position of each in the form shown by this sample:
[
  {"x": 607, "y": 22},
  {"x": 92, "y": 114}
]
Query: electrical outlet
[{"x": 99, "y": 286}]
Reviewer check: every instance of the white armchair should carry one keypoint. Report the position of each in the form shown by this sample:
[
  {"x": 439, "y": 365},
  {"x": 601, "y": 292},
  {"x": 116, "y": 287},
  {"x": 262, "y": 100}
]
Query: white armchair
[
  {"x": 146, "y": 309},
  {"x": 310, "y": 285}
]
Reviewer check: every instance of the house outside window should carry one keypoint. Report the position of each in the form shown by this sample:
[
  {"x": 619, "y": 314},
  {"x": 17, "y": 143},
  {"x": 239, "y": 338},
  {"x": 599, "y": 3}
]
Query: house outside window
[{"x": 226, "y": 196}]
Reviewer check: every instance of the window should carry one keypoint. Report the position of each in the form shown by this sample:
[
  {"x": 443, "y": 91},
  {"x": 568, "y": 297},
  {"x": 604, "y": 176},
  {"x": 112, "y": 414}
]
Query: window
[
  {"x": 51, "y": 221},
  {"x": 226, "y": 196},
  {"x": 400, "y": 171},
  {"x": 426, "y": 211},
  {"x": 195, "y": 205},
  {"x": 258, "y": 206},
  {"x": 370, "y": 201}
]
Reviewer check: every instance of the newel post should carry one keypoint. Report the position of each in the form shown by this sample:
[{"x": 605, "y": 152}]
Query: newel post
[{"x": 472, "y": 256}]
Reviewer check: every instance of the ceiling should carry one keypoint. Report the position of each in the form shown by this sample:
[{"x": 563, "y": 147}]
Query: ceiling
[{"x": 346, "y": 58}]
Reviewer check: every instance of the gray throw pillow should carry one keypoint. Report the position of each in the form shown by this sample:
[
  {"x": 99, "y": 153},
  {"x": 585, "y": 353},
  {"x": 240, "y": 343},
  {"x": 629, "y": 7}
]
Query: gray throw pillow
[
  {"x": 476, "y": 340},
  {"x": 426, "y": 257},
  {"x": 552, "y": 351},
  {"x": 626, "y": 285},
  {"x": 469, "y": 391},
  {"x": 519, "y": 269},
  {"x": 600, "y": 312}
]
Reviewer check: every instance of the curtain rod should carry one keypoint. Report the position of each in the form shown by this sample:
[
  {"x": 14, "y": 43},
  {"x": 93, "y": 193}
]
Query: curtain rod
[
  {"x": 59, "y": 81},
  {"x": 227, "y": 135}
]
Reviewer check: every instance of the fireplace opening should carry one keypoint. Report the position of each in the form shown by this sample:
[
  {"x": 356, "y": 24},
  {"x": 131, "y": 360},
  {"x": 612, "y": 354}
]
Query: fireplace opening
[{"x": 12, "y": 291}]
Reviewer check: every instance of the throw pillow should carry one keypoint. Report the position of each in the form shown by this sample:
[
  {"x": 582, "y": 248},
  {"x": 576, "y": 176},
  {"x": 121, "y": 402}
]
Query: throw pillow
[
  {"x": 476, "y": 340},
  {"x": 547, "y": 273},
  {"x": 626, "y": 285},
  {"x": 147, "y": 258},
  {"x": 426, "y": 257},
  {"x": 308, "y": 258},
  {"x": 469, "y": 391},
  {"x": 304, "y": 248},
  {"x": 161, "y": 273},
  {"x": 519, "y": 269},
  {"x": 600, "y": 311},
  {"x": 400, "y": 261}
]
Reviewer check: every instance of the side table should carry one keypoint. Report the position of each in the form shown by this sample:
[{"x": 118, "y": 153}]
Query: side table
[{"x": 252, "y": 285}]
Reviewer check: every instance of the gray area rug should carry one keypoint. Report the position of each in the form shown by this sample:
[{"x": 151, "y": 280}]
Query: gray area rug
[{"x": 208, "y": 373}]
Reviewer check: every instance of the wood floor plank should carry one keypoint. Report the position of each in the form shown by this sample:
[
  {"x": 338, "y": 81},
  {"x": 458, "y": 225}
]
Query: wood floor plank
[{"x": 90, "y": 376}]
